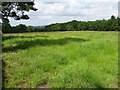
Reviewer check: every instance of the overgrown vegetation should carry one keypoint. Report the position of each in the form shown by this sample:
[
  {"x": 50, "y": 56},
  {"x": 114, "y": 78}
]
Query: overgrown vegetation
[
  {"x": 98, "y": 25},
  {"x": 16, "y": 10},
  {"x": 61, "y": 59}
]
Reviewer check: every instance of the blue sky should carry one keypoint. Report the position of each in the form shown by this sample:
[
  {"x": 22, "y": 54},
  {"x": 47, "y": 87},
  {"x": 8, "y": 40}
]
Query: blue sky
[{"x": 57, "y": 11}]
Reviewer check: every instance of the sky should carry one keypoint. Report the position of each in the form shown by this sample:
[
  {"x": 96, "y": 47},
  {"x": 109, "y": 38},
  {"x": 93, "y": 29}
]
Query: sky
[{"x": 59, "y": 11}]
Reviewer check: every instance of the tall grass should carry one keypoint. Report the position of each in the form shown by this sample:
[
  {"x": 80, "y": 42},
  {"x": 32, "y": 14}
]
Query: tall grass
[{"x": 61, "y": 60}]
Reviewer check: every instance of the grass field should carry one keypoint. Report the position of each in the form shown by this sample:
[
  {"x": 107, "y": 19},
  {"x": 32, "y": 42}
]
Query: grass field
[{"x": 61, "y": 59}]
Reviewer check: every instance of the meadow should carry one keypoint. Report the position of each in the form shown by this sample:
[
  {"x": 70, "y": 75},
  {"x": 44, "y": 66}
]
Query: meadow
[{"x": 80, "y": 59}]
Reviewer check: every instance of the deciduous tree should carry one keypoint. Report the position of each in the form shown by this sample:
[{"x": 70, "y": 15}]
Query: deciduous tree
[{"x": 17, "y": 9}]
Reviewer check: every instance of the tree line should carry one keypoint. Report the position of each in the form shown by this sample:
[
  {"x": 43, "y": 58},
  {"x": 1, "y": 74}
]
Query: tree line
[
  {"x": 98, "y": 25},
  {"x": 111, "y": 24}
]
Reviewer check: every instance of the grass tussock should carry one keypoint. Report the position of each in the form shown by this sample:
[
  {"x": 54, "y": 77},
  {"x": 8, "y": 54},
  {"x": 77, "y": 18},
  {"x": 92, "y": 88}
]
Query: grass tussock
[{"x": 62, "y": 59}]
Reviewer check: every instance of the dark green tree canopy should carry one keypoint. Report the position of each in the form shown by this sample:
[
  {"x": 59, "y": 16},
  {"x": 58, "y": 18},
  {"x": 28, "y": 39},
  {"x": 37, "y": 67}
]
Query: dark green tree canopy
[
  {"x": 112, "y": 17},
  {"x": 17, "y": 9}
]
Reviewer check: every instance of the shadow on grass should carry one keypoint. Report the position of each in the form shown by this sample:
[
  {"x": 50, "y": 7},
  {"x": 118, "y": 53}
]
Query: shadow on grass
[
  {"x": 4, "y": 38},
  {"x": 3, "y": 74},
  {"x": 25, "y": 44}
]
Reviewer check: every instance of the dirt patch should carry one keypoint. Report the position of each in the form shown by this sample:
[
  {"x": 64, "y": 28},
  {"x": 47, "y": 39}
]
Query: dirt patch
[
  {"x": 115, "y": 86},
  {"x": 43, "y": 86}
]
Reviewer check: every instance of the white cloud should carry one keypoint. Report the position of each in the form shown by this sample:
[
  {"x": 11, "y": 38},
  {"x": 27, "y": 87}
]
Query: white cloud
[
  {"x": 101, "y": 0},
  {"x": 51, "y": 11},
  {"x": 44, "y": 17}
]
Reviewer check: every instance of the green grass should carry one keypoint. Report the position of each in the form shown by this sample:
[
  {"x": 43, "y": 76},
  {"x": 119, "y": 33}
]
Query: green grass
[{"x": 61, "y": 60}]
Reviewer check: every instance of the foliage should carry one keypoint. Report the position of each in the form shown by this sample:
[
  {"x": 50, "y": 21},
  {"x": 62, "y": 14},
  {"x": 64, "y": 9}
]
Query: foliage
[
  {"x": 98, "y": 25},
  {"x": 17, "y": 9},
  {"x": 6, "y": 28}
]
